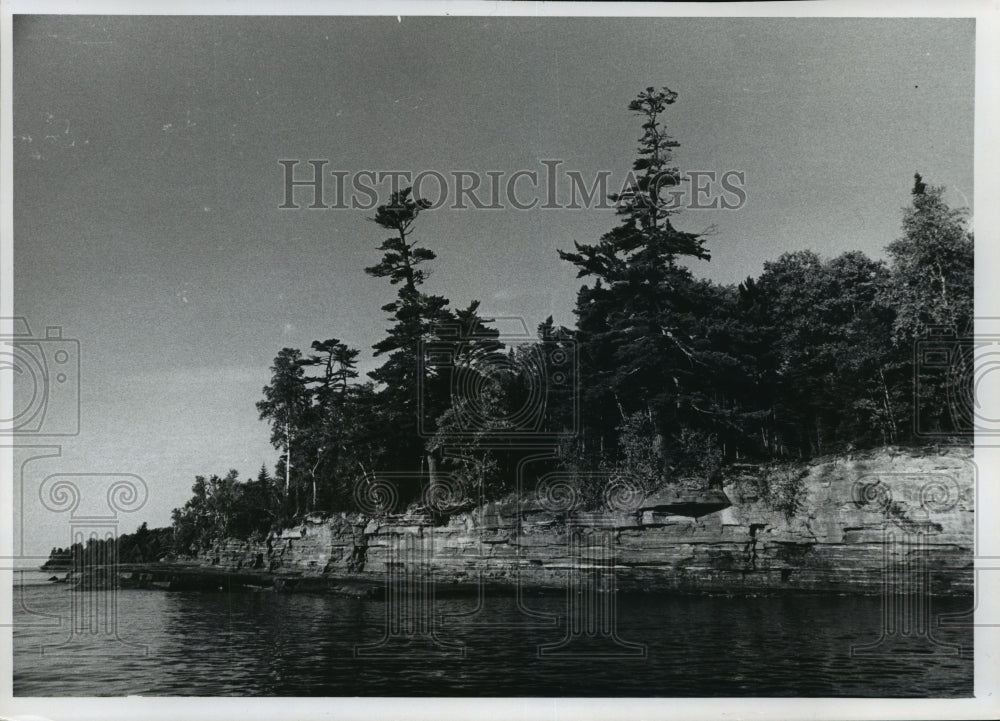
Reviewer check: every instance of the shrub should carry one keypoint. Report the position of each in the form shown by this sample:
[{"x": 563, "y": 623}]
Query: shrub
[{"x": 782, "y": 487}]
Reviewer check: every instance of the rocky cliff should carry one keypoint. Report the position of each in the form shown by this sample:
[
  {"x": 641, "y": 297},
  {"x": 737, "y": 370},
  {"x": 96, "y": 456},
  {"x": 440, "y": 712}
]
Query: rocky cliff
[{"x": 841, "y": 524}]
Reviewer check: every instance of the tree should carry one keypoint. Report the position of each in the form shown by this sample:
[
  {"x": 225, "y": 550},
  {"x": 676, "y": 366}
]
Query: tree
[
  {"x": 257, "y": 507},
  {"x": 931, "y": 289},
  {"x": 338, "y": 365},
  {"x": 826, "y": 370},
  {"x": 287, "y": 406},
  {"x": 869, "y": 392},
  {"x": 645, "y": 243},
  {"x": 932, "y": 266},
  {"x": 637, "y": 325},
  {"x": 407, "y": 392},
  {"x": 499, "y": 397}
]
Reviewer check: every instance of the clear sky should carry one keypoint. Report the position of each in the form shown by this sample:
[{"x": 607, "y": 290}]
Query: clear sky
[{"x": 147, "y": 184}]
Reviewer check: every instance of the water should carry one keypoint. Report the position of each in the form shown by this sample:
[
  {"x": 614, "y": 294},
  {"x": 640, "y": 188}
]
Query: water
[{"x": 270, "y": 644}]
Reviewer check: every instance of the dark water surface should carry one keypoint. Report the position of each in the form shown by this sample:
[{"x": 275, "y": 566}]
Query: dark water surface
[{"x": 274, "y": 644}]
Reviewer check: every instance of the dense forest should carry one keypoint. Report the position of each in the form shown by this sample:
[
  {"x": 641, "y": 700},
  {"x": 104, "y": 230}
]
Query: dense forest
[{"x": 665, "y": 379}]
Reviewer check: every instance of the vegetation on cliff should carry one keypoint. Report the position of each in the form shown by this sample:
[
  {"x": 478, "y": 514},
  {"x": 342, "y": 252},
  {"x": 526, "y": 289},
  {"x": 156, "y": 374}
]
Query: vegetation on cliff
[{"x": 666, "y": 377}]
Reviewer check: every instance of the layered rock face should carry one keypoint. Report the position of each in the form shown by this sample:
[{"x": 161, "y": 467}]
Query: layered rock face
[{"x": 845, "y": 524}]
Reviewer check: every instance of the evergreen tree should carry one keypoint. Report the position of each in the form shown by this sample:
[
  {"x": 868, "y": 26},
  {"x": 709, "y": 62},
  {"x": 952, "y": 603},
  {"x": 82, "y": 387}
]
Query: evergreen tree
[
  {"x": 636, "y": 325},
  {"x": 287, "y": 405},
  {"x": 332, "y": 416},
  {"x": 408, "y": 395}
]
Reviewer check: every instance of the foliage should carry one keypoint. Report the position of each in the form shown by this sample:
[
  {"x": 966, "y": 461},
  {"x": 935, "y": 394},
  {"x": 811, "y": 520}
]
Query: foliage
[
  {"x": 640, "y": 461},
  {"x": 226, "y": 507},
  {"x": 144, "y": 546},
  {"x": 932, "y": 267},
  {"x": 696, "y": 459},
  {"x": 665, "y": 379},
  {"x": 781, "y": 486}
]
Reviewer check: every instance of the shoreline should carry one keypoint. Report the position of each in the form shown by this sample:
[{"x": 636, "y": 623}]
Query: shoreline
[
  {"x": 891, "y": 518},
  {"x": 193, "y": 577}
]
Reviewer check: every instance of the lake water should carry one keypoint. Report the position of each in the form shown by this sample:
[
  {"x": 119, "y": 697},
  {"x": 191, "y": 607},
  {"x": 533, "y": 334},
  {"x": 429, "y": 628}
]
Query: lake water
[{"x": 271, "y": 644}]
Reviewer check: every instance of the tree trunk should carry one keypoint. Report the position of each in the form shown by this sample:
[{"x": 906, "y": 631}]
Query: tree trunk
[
  {"x": 288, "y": 459},
  {"x": 893, "y": 430},
  {"x": 432, "y": 472}
]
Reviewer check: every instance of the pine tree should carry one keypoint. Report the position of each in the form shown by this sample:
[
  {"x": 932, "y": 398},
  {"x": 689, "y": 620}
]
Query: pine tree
[
  {"x": 287, "y": 406},
  {"x": 636, "y": 324},
  {"x": 407, "y": 393},
  {"x": 332, "y": 413}
]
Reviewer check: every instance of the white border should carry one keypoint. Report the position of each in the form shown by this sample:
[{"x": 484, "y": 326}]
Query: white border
[{"x": 987, "y": 640}]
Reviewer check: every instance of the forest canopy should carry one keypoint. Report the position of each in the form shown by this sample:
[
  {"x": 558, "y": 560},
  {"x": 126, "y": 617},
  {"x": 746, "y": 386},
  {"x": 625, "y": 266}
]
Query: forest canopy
[{"x": 665, "y": 379}]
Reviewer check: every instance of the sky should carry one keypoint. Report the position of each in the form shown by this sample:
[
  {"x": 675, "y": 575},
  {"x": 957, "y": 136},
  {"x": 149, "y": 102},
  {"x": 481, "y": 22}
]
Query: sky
[{"x": 147, "y": 187}]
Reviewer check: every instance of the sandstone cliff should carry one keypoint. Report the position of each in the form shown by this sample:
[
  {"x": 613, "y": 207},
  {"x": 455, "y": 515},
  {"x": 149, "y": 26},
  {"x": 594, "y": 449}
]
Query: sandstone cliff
[{"x": 834, "y": 525}]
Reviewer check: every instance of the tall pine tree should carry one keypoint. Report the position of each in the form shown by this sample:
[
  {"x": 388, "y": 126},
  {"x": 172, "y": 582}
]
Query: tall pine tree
[
  {"x": 638, "y": 323},
  {"x": 410, "y": 397}
]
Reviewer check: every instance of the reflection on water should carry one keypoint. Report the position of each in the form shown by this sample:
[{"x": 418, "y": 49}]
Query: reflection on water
[{"x": 304, "y": 645}]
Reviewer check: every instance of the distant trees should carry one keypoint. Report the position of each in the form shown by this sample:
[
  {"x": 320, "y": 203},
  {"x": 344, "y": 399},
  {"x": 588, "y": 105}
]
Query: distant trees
[
  {"x": 676, "y": 375},
  {"x": 146, "y": 545},
  {"x": 209, "y": 511}
]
